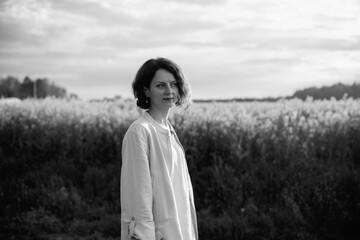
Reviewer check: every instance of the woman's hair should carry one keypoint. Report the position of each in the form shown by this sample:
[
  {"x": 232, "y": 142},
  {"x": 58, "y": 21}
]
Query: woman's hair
[{"x": 145, "y": 75}]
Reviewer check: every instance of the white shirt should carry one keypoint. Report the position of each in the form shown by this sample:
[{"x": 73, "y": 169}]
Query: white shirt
[{"x": 156, "y": 193}]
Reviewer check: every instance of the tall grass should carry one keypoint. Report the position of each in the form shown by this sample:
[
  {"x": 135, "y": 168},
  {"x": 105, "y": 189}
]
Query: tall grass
[{"x": 284, "y": 170}]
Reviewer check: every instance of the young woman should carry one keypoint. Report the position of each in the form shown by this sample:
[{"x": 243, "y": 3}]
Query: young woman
[{"x": 157, "y": 199}]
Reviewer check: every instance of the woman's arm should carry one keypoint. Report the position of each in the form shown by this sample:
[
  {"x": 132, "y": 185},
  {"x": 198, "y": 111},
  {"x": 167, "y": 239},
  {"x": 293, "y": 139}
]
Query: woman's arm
[{"x": 136, "y": 187}]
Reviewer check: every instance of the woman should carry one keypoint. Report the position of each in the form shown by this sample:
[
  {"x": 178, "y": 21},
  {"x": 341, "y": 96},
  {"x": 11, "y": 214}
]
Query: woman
[{"x": 156, "y": 193}]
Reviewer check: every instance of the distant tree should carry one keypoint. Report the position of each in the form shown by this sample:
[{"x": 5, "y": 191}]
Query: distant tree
[
  {"x": 355, "y": 91},
  {"x": 42, "y": 87},
  {"x": 9, "y": 87},
  {"x": 73, "y": 96},
  {"x": 39, "y": 88},
  {"x": 27, "y": 88},
  {"x": 56, "y": 91}
]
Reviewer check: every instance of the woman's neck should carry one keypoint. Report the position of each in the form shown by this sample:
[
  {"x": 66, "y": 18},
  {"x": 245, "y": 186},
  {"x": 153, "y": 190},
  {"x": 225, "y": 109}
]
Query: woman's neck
[{"x": 160, "y": 116}]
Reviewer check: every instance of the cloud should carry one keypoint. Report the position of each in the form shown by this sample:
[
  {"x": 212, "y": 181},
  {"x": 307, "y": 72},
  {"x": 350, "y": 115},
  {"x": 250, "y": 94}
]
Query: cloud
[
  {"x": 198, "y": 2},
  {"x": 156, "y": 34},
  {"x": 247, "y": 37},
  {"x": 14, "y": 33},
  {"x": 99, "y": 11},
  {"x": 272, "y": 61},
  {"x": 33, "y": 24}
]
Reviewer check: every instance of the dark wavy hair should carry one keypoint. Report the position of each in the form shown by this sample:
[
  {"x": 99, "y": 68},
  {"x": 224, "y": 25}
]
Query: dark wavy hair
[{"x": 145, "y": 75}]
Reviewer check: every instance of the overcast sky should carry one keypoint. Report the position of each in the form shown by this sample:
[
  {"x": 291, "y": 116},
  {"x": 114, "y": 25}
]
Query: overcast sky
[{"x": 227, "y": 48}]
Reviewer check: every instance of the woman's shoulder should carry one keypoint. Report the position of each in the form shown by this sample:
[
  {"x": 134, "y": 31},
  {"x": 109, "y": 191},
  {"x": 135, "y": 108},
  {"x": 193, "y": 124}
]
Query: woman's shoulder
[{"x": 140, "y": 126}]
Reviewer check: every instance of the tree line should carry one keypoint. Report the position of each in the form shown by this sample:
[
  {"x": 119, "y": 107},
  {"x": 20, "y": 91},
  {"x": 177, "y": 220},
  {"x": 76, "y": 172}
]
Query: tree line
[
  {"x": 28, "y": 88},
  {"x": 336, "y": 91},
  {"x": 42, "y": 88}
]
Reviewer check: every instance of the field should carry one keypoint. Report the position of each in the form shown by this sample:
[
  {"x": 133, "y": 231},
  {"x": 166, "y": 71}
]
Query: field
[{"x": 283, "y": 170}]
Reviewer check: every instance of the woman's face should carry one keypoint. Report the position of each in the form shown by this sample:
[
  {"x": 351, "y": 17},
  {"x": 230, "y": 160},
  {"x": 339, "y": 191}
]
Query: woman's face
[{"x": 163, "y": 92}]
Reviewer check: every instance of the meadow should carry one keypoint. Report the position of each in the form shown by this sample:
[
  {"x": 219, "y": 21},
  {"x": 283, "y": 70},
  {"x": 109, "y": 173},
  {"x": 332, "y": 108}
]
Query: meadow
[{"x": 281, "y": 170}]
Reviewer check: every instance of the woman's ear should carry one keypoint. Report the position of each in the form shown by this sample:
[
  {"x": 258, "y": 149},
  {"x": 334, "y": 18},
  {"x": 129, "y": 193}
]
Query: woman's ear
[{"x": 146, "y": 92}]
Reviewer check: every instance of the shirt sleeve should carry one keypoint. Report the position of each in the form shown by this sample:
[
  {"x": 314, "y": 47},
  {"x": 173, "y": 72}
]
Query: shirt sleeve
[{"x": 136, "y": 188}]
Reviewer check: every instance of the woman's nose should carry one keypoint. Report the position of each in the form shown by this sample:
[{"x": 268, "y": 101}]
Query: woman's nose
[{"x": 169, "y": 88}]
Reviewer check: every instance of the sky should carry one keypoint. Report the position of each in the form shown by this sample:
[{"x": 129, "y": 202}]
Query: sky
[{"x": 227, "y": 48}]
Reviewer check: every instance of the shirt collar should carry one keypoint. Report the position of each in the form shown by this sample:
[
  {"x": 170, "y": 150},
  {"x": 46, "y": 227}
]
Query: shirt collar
[{"x": 158, "y": 126}]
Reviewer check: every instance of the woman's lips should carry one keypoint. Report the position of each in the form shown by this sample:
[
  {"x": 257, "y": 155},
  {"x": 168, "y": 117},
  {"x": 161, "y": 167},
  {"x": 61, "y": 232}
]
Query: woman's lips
[{"x": 168, "y": 98}]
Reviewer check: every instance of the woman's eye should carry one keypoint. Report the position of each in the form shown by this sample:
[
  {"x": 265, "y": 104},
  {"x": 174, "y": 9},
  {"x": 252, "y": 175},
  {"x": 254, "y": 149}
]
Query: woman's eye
[{"x": 162, "y": 85}]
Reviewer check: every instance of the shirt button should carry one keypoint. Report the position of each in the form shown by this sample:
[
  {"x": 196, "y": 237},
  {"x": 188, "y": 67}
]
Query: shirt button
[{"x": 133, "y": 219}]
